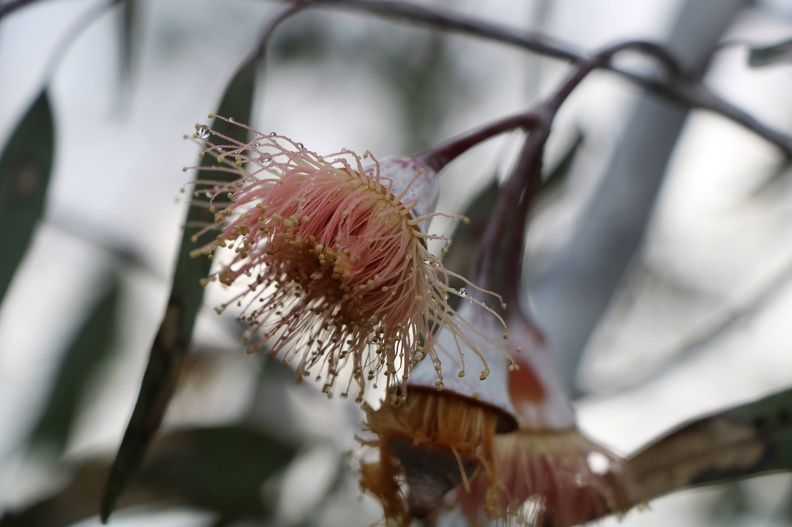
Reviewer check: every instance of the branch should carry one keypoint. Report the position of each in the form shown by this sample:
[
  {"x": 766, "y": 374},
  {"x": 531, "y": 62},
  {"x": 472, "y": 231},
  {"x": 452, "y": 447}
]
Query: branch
[
  {"x": 435, "y": 18},
  {"x": 75, "y": 31},
  {"x": 514, "y": 203},
  {"x": 13, "y": 5},
  {"x": 439, "y": 156},
  {"x": 688, "y": 94}
]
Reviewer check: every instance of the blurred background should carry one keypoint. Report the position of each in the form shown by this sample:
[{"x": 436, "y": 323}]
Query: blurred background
[{"x": 659, "y": 264}]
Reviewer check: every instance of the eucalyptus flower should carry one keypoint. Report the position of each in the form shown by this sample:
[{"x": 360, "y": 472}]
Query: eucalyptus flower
[{"x": 330, "y": 254}]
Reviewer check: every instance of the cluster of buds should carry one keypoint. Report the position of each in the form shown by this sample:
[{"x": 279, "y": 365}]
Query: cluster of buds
[{"x": 333, "y": 273}]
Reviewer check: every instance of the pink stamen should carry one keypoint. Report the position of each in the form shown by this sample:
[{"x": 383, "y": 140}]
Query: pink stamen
[{"x": 335, "y": 267}]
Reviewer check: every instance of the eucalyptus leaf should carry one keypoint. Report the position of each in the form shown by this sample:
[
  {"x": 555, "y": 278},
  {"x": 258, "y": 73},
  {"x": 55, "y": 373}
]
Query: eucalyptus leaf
[
  {"x": 217, "y": 469},
  {"x": 558, "y": 173},
  {"x": 778, "y": 53},
  {"x": 741, "y": 442},
  {"x": 772, "y": 183},
  {"x": 25, "y": 172},
  {"x": 175, "y": 332},
  {"x": 92, "y": 344}
]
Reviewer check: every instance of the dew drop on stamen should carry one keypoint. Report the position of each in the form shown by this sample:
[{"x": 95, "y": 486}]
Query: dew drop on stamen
[
  {"x": 231, "y": 120},
  {"x": 202, "y": 131},
  {"x": 462, "y": 291},
  {"x": 273, "y": 133}
]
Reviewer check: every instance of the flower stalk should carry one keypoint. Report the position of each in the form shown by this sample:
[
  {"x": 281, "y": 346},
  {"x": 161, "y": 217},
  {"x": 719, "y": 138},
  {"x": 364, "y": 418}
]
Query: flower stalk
[{"x": 525, "y": 461}]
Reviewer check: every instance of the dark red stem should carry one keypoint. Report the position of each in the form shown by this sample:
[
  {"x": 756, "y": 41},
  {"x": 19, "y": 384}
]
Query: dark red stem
[
  {"x": 519, "y": 192},
  {"x": 438, "y": 157}
]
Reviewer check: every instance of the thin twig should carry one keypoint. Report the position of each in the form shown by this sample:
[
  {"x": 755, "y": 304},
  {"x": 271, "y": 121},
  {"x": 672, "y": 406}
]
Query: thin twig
[
  {"x": 439, "y": 19},
  {"x": 689, "y": 94},
  {"x": 273, "y": 23},
  {"x": 9, "y": 7},
  {"x": 75, "y": 31},
  {"x": 439, "y": 156}
]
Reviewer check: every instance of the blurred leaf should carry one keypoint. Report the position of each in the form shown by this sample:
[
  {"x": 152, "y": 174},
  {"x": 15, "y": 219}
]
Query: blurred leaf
[
  {"x": 25, "y": 169},
  {"x": 91, "y": 345},
  {"x": 220, "y": 469},
  {"x": 173, "y": 338},
  {"x": 558, "y": 174},
  {"x": 761, "y": 56},
  {"x": 778, "y": 175},
  {"x": 306, "y": 39},
  {"x": 733, "y": 501},
  {"x": 741, "y": 442},
  {"x": 421, "y": 72},
  {"x": 128, "y": 14}
]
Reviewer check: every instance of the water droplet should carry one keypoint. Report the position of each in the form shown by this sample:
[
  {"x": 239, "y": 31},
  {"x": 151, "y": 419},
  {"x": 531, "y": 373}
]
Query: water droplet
[
  {"x": 208, "y": 194},
  {"x": 202, "y": 131},
  {"x": 300, "y": 145},
  {"x": 598, "y": 462},
  {"x": 231, "y": 120},
  {"x": 462, "y": 291},
  {"x": 273, "y": 133}
]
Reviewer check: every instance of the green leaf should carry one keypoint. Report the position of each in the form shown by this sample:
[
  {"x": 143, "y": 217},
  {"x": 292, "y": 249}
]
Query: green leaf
[
  {"x": 174, "y": 335},
  {"x": 219, "y": 469},
  {"x": 90, "y": 347},
  {"x": 741, "y": 442},
  {"x": 761, "y": 56},
  {"x": 25, "y": 170}
]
